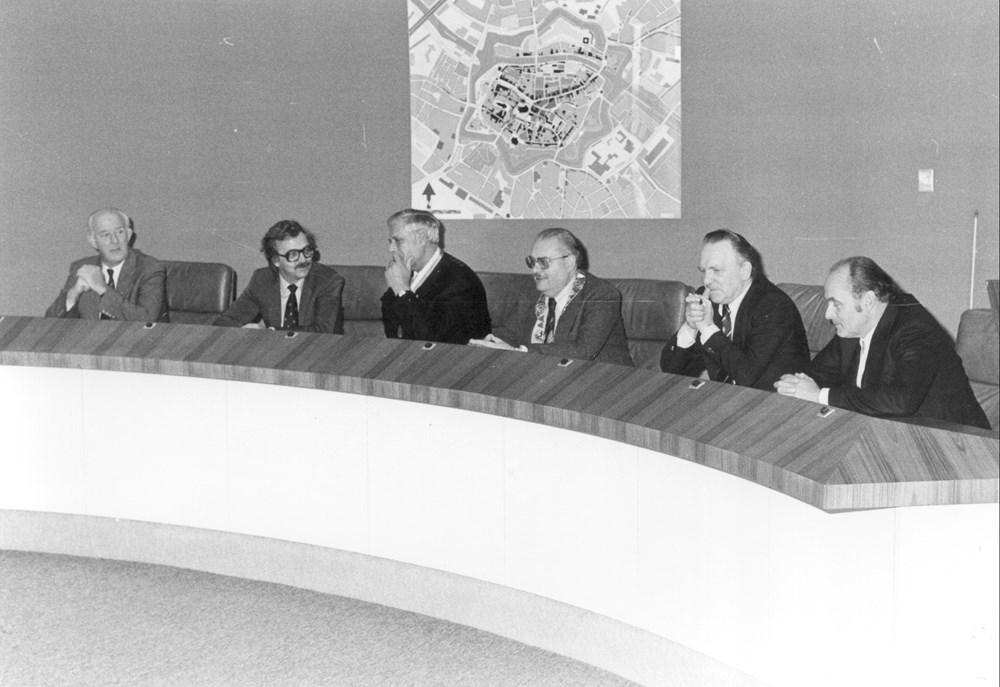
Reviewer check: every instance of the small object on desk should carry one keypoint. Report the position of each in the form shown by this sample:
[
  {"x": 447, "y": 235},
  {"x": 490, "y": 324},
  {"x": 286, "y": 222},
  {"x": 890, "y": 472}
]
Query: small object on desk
[
  {"x": 825, "y": 411},
  {"x": 148, "y": 325},
  {"x": 565, "y": 362},
  {"x": 696, "y": 384},
  {"x": 429, "y": 345},
  {"x": 290, "y": 335}
]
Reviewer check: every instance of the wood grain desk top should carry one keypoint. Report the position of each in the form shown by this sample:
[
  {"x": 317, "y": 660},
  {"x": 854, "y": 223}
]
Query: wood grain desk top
[{"x": 843, "y": 462}]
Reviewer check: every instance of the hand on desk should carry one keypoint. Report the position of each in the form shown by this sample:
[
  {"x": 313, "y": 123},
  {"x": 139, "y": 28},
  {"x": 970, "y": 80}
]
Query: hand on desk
[
  {"x": 799, "y": 385},
  {"x": 490, "y": 341},
  {"x": 254, "y": 325}
]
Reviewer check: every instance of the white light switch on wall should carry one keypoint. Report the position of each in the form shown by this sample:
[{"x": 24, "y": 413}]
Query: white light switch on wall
[{"x": 925, "y": 180}]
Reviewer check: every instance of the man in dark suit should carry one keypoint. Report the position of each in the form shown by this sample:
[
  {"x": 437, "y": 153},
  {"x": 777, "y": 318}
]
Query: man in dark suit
[
  {"x": 294, "y": 291},
  {"x": 890, "y": 357},
  {"x": 432, "y": 296},
  {"x": 739, "y": 328},
  {"x": 119, "y": 283},
  {"x": 577, "y": 315}
]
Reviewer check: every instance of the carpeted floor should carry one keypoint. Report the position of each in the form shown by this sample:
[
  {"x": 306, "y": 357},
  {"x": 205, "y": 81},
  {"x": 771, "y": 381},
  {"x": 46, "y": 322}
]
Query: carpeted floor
[{"x": 80, "y": 622}]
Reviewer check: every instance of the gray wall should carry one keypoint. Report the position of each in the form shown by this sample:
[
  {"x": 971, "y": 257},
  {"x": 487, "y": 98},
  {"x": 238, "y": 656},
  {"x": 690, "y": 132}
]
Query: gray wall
[{"x": 804, "y": 126}]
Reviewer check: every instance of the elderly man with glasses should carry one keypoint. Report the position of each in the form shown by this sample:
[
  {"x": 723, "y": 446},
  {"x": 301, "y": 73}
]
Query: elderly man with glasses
[
  {"x": 577, "y": 315},
  {"x": 431, "y": 295},
  {"x": 119, "y": 283},
  {"x": 294, "y": 292}
]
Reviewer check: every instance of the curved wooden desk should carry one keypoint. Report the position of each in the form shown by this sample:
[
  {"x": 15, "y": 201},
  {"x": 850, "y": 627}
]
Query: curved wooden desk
[
  {"x": 844, "y": 462},
  {"x": 566, "y": 507}
]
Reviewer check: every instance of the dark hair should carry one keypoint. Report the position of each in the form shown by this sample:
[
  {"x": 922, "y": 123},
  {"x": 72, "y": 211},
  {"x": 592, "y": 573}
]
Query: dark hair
[
  {"x": 570, "y": 242},
  {"x": 420, "y": 219},
  {"x": 743, "y": 248},
  {"x": 866, "y": 275},
  {"x": 285, "y": 229}
]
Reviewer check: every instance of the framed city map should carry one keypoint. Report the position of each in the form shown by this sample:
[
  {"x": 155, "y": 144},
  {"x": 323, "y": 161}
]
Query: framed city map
[{"x": 525, "y": 109}]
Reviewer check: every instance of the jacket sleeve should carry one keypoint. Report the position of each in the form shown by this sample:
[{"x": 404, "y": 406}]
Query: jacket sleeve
[
  {"x": 58, "y": 307},
  {"x": 244, "y": 309},
  {"x": 681, "y": 361},
  {"x": 769, "y": 326},
  {"x": 910, "y": 364}
]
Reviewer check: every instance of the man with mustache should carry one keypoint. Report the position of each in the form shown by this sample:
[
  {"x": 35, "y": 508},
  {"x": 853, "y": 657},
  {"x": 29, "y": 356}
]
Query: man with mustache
[
  {"x": 577, "y": 315},
  {"x": 294, "y": 292},
  {"x": 119, "y": 283}
]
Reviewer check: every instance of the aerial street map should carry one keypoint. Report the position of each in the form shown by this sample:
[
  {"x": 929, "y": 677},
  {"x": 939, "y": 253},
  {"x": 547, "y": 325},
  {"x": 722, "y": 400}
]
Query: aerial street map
[{"x": 527, "y": 109}]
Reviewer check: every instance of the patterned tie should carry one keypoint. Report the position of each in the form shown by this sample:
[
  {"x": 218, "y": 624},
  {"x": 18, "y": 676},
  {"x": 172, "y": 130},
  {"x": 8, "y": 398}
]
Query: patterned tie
[
  {"x": 550, "y": 321},
  {"x": 111, "y": 279},
  {"x": 291, "y": 320},
  {"x": 727, "y": 322}
]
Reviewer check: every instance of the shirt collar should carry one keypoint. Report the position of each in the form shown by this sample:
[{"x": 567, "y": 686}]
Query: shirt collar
[
  {"x": 421, "y": 276},
  {"x": 735, "y": 305},
  {"x": 285, "y": 284}
]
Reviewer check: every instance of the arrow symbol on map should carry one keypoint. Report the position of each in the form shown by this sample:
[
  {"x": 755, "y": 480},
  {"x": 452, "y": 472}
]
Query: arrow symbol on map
[{"x": 429, "y": 191}]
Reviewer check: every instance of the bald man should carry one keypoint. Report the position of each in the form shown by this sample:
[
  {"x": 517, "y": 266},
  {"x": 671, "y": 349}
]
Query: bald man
[{"x": 119, "y": 283}]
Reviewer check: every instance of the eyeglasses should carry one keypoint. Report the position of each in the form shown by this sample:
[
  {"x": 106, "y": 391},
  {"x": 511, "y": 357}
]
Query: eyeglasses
[
  {"x": 293, "y": 255},
  {"x": 542, "y": 263}
]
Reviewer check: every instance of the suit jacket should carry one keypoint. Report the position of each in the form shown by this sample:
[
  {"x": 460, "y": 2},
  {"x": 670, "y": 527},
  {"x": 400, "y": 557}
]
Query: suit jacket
[
  {"x": 912, "y": 370},
  {"x": 138, "y": 294},
  {"x": 450, "y": 306},
  {"x": 319, "y": 301},
  {"x": 768, "y": 341},
  {"x": 590, "y": 328}
]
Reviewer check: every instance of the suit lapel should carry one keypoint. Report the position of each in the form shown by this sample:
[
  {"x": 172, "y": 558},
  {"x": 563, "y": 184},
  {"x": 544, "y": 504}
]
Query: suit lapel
[
  {"x": 126, "y": 276},
  {"x": 272, "y": 311},
  {"x": 748, "y": 305},
  {"x": 880, "y": 341},
  {"x": 432, "y": 284},
  {"x": 305, "y": 296}
]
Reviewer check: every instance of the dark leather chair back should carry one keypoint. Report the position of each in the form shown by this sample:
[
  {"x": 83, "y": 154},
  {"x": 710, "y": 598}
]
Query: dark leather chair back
[
  {"x": 811, "y": 302},
  {"x": 198, "y": 292}
]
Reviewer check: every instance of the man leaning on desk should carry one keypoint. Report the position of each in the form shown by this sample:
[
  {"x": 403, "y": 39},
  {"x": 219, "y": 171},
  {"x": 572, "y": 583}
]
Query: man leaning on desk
[
  {"x": 739, "y": 328},
  {"x": 119, "y": 283},
  {"x": 431, "y": 295},
  {"x": 890, "y": 357},
  {"x": 294, "y": 292}
]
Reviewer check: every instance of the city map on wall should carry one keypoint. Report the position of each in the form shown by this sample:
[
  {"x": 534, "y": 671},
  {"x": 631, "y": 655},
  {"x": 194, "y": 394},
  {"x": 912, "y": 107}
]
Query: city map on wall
[{"x": 527, "y": 109}]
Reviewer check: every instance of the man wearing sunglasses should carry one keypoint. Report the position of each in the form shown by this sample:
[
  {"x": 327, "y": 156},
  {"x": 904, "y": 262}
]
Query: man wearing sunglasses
[
  {"x": 432, "y": 295},
  {"x": 294, "y": 292},
  {"x": 119, "y": 283},
  {"x": 577, "y": 315}
]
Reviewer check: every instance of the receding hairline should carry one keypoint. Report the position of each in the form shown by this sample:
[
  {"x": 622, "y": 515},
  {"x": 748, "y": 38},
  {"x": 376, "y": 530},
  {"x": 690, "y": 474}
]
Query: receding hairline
[{"x": 125, "y": 220}]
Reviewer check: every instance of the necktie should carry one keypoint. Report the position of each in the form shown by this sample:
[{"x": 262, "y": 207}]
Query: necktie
[
  {"x": 111, "y": 279},
  {"x": 291, "y": 320},
  {"x": 727, "y": 322},
  {"x": 550, "y": 320}
]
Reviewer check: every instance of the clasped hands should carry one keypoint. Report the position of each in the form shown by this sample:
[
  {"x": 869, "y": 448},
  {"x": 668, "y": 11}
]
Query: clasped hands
[
  {"x": 490, "y": 341},
  {"x": 88, "y": 278},
  {"x": 698, "y": 312},
  {"x": 799, "y": 385}
]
